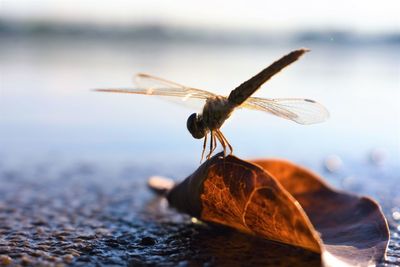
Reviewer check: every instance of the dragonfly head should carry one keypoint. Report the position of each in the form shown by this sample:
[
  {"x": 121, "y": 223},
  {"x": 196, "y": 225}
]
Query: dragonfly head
[{"x": 195, "y": 125}]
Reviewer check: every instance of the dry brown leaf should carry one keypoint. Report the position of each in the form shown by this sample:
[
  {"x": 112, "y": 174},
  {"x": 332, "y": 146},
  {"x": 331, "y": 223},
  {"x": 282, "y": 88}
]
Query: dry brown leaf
[{"x": 278, "y": 200}]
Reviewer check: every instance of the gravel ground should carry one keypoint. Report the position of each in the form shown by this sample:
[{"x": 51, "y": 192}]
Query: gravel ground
[{"x": 89, "y": 215}]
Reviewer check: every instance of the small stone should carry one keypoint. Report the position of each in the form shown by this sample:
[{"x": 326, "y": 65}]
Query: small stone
[
  {"x": 40, "y": 230},
  {"x": 135, "y": 262},
  {"x": 396, "y": 215},
  {"x": 51, "y": 258},
  {"x": 43, "y": 247},
  {"x": 5, "y": 260},
  {"x": 147, "y": 241},
  {"x": 73, "y": 252},
  {"x": 61, "y": 237},
  {"x": 102, "y": 231},
  {"x": 183, "y": 264},
  {"x": 26, "y": 260},
  {"x": 68, "y": 258}
]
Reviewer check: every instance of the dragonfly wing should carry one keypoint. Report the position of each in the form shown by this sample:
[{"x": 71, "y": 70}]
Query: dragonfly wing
[
  {"x": 150, "y": 85},
  {"x": 302, "y": 111},
  {"x": 143, "y": 80}
]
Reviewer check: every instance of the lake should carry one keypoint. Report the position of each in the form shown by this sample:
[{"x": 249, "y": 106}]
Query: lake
[{"x": 48, "y": 110}]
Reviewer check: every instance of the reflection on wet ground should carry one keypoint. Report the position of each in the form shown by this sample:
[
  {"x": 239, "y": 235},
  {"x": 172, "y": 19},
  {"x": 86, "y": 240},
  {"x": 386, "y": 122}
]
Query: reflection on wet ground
[{"x": 87, "y": 215}]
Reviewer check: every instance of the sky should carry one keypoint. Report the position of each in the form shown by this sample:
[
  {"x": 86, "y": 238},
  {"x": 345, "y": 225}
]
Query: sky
[{"x": 367, "y": 16}]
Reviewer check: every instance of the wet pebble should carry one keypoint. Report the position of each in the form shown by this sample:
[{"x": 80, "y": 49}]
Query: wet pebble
[
  {"x": 147, "y": 241},
  {"x": 396, "y": 236},
  {"x": 135, "y": 262},
  {"x": 396, "y": 215},
  {"x": 73, "y": 252},
  {"x": 5, "y": 260},
  {"x": 183, "y": 264},
  {"x": 26, "y": 260},
  {"x": 112, "y": 243},
  {"x": 68, "y": 258}
]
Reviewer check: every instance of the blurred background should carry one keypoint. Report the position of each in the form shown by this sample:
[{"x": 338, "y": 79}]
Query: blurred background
[
  {"x": 53, "y": 52},
  {"x": 74, "y": 163}
]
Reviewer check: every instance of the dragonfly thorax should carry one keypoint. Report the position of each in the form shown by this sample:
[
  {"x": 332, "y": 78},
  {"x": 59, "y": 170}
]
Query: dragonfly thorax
[{"x": 216, "y": 110}]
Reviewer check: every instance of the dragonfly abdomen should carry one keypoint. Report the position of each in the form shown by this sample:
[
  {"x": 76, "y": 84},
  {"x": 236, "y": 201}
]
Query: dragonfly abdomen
[{"x": 246, "y": 89}]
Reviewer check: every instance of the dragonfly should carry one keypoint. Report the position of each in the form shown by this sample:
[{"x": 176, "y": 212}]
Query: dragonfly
[{"x": 216, "y": 109}]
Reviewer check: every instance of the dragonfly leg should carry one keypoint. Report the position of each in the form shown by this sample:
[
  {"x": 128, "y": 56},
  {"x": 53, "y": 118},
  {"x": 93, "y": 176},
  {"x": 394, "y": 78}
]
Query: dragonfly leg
[
  {"x": 226, "y": 142},
  {"x": 211, "y": 144},
  {"x": 215, "y": 144},
  {"x": 204, "y": 147},
  {"x": 221, "y": 140}
]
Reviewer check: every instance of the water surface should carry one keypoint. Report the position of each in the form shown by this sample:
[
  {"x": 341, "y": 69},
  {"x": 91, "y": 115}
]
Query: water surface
[{"x": 48, "y": 110}]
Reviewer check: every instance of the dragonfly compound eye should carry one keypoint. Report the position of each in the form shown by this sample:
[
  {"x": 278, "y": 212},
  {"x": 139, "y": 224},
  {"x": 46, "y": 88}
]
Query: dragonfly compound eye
[{"x": 195, "y": 126}]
